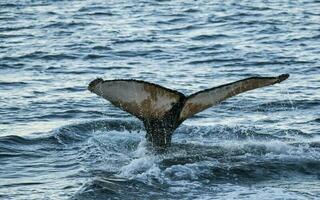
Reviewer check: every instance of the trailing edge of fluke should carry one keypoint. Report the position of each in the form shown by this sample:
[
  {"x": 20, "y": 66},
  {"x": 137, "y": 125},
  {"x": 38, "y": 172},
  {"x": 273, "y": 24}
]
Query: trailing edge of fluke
[{"x": 161, "y": 109}]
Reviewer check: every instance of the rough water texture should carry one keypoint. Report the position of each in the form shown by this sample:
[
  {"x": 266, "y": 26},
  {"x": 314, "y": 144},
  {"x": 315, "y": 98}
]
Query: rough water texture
[{"x": 59, "y": 141}]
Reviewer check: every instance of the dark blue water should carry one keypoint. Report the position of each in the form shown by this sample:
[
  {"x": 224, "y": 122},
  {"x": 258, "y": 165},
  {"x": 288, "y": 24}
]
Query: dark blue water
[{"x": 59, "y": 141}]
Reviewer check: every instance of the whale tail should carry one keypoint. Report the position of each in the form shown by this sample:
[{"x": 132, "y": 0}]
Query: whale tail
[{"x": 154, "y": 104}]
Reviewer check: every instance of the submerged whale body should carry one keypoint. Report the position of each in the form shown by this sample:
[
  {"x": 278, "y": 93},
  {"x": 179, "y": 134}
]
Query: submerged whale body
[{"x": 161, "y": 109}]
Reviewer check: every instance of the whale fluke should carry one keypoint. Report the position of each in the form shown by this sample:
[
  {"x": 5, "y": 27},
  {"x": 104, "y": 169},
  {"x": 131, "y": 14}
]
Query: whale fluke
[
  {"x": 161, "y": 109},
  {"x": 204, "y": 99},
  {"x": 139, "y": 98}
]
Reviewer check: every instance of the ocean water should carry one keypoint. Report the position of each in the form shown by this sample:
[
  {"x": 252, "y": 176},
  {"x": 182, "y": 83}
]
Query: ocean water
[{"x": 59, "y": 141}]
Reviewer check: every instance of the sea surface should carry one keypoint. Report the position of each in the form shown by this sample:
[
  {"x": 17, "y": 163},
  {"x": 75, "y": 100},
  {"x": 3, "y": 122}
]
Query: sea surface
[{"x": 59, "y": 141}]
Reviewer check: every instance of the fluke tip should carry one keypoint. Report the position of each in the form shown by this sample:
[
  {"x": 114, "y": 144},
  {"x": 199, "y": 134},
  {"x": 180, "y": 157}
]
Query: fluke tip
[
  {"x": 93, "y": 83},
  {"x": 283, "y": 77}
]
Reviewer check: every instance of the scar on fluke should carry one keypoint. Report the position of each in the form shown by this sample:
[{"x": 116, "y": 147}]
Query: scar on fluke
[{"x": 162, "y": 109}]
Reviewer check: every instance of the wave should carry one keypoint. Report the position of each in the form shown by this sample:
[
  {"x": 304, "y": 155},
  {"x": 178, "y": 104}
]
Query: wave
[
  {"x": 210, "y": 37},
  {"x": 4, "y": 36},
  {"x": 176, "y": 20},
  {"x": 72, "y": 133},
  {"x": 17, "y": 28},
  {"x": 206, "y": 135},
  {"x": 100, "y": 13},
  {"x": 286, "y": 105},
  {"x": 94, "y": 56},
  {"x": 215, "y": 60},
  {"x": 189, "y": 164},
  {"x": 13, "y": 84},
  {"x": 40, "y": 55},
  {"x": 275, "y": 106},
  {"x": 306, "y": 38},
  {"x": 103, "y": 48},
  {"x": 277, "y": 62},
  {"x": 111, "y": 68},
  {"x": 138, "y": 53},
  {"x": 237, "y": 133},
  {"x": 67, "y": 25},
  {"x": 9, "y": 5},
  {"x": 130, "y": 41},
  {"x": 92, "y": 8},
  {"x": 181, "y": 28},
  {"x": 116, "y": 158},
  {"x": 205, "y": 48}
]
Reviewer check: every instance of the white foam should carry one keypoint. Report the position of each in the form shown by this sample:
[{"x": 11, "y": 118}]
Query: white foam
[{"x": 143, "y": 167}]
